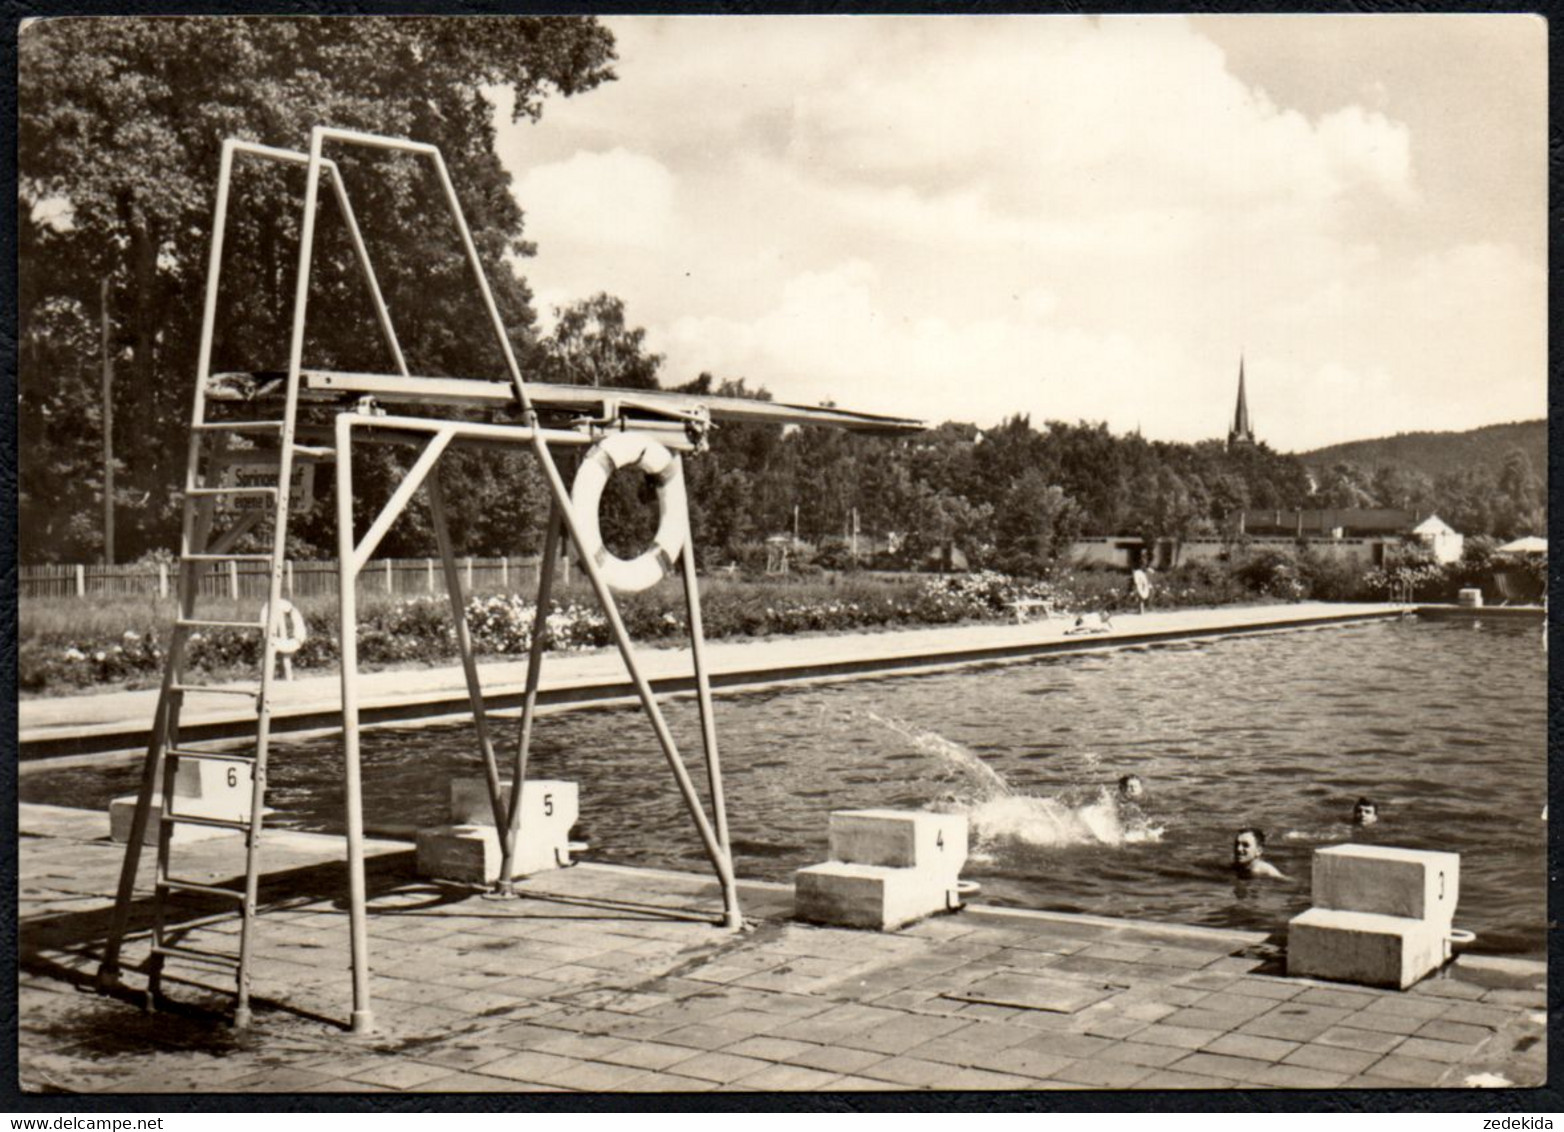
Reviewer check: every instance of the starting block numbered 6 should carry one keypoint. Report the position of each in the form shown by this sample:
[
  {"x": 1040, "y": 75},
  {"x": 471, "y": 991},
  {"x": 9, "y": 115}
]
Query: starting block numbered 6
[{"x": 212, "y": 787}]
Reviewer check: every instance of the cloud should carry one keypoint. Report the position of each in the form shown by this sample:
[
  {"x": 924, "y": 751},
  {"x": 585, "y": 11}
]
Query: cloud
[
  {"x": 832, "y": 336},
  {"x": 1408, "y": 342},
  {"x": 1072, "y": 116},
  {"x": 611, "y": 199},
  {"x": 1075, "y": 217}
]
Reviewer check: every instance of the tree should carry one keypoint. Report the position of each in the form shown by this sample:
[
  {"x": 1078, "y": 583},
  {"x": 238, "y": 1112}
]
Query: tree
[
  {"x": 1036, "y": 521},
  {"x": 1405, "y": 488},
  {"x": 1166, "y": 506},
  {"x": 592, "y": 345},
  {"x": 119, "y": 127},
  {"x": 1520, "y": 507},
  {"x": 1466, "y": 500},
  {"x": 1344, "y": 485}
]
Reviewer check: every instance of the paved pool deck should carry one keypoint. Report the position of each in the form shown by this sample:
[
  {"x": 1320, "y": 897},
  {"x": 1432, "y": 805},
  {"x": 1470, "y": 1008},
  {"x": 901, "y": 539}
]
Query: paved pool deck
[
  {"x": 611, "y": 979},
  {"x": 63, "y": 727}
]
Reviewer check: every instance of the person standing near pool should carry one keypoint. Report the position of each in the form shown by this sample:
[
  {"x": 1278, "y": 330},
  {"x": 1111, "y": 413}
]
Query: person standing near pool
[{"x": 1249, "y": 853}]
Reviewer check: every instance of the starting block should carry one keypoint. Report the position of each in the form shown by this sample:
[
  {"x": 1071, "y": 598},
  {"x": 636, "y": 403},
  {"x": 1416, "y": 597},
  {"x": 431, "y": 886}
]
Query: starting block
[
  {"x": 934, "y": 843},
  {"x": 203, "y": 788},
  {"x": 1382, "y": 916},
  {"x": 1415, "y": 883},
  {"x": 888, "y": 868},
  {"x": 468, "y": 849}
]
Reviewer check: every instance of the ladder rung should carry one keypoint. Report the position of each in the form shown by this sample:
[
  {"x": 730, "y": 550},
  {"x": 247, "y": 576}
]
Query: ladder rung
[
  {"x": 239, "y": 426},
  {"x": 219, "y": 756},
  {"x": 230, "y": 491},
  {"x": 313, "y": 453},
  {"x": 216, "y": 690},
  {"x": 199, "y": 889},
  {"x": 196, "y": 623},
  {"x": 195, "y": 954},
  {"x": 213, "y": 823},
  {"x": 228, "y": 557},
  {"x": 184, "y": 981}
]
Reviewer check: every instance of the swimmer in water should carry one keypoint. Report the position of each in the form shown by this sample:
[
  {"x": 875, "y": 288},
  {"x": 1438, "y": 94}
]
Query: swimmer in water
[
  {"x": 1364, "y": 812},
  {"x": 1248, "y": 854},
  {"x": 1132, "y": 819}
]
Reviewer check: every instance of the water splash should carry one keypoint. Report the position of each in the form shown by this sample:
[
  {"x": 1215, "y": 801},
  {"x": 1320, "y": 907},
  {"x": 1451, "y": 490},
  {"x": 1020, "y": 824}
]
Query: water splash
[
  {"x": 998, "y": 814},
  {"x": 1051, "y": 823},
  {"x": 987, "y": 781}
]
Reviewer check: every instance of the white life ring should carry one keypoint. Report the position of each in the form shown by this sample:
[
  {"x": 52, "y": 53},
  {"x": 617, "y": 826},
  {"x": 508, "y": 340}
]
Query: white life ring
[
  {"x": 295, "y": 631},
  {"x": 1142, "y": 585},
  {"x": 631, "y": 450}
]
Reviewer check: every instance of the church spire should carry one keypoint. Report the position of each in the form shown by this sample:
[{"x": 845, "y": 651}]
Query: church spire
[{"x": 1241, "y": 432}]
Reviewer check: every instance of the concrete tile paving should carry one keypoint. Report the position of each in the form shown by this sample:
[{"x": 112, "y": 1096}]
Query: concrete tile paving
[{"x": 600, "y": 979}]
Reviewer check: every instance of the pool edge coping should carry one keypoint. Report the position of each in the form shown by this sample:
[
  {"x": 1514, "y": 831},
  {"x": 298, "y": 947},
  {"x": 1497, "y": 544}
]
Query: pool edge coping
[{"x": 62, "y": 747}]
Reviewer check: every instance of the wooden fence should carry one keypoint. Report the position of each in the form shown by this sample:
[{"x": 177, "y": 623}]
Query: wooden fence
[{"x": 396, "y": 576}]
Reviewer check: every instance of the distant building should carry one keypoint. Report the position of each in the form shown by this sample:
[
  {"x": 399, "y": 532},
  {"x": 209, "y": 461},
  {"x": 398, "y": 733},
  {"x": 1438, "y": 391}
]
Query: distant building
[
  {"x": 1368, "y": 536},
  {"x": 1242, "y": 432},
  {"x": 1336, "y": 522},
  {"x": 1436, "y": 534},
  {"x": 1377, "y": 527}
]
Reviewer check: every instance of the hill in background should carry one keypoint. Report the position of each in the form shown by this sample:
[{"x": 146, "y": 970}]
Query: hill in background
[{"x": 1438, "y": 453}]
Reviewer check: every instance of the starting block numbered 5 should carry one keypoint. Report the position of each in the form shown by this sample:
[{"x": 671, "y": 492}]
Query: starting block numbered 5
[{"x": 468, "y": 850}]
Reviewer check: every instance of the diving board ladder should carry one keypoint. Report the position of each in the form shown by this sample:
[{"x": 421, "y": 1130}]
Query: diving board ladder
[{"x": 268, "y": 444}]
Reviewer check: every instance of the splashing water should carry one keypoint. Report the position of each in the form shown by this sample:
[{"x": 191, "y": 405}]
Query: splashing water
[
  {"x": 998, "y": 814},
  {"x": 1050, "y": 823},
  {"x": 984, "y": 778}
]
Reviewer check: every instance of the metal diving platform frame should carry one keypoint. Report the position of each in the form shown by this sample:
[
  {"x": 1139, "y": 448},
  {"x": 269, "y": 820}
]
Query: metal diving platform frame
[{"x": 312, "y": 415}]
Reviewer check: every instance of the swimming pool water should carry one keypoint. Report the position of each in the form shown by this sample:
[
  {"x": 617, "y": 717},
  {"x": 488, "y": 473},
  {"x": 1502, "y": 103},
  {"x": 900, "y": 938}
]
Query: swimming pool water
[{"x": 1442, "y": 723}]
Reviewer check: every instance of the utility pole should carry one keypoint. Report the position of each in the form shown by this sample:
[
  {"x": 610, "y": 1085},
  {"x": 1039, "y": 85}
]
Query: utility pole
[
  {"x": 795, "y": 524},
  {"x": 108, "y": 426}
]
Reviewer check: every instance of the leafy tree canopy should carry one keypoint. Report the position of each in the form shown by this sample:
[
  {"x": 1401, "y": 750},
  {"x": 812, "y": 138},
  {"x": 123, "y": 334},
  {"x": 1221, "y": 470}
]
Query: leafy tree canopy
[{"x": 120, "y": 121}]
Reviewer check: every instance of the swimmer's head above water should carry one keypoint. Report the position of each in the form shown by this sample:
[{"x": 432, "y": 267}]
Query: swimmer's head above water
[
  {"x": 1364, "y": 812},
  {"x": 1248, "y": 854},
  {"x": 1131, "y": 788}
]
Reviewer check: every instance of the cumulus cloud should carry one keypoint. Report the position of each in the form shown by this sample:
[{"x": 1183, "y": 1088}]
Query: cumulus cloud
[
  {"x": 1083, "y": 116},
  {"x": 615, "y": 198},
  {"x": 832, "y": 336},
  {"x": 1073, "y": 217}
]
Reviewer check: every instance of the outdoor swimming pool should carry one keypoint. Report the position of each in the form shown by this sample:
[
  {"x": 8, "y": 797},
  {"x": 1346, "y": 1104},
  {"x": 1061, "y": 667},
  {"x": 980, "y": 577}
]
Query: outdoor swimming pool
[{"x": 1442, "y": 723}]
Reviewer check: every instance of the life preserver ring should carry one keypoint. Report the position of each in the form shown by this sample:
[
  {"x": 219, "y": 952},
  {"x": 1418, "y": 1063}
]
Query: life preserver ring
[
  {"x": 1142, "y": 585},
  {"x": 295, "y": 631},
  {"x": 631, "y": 450}
]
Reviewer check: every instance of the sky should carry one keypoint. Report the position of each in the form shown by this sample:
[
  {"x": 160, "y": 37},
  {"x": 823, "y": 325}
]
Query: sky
[{"x": 963, "y": 218}]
